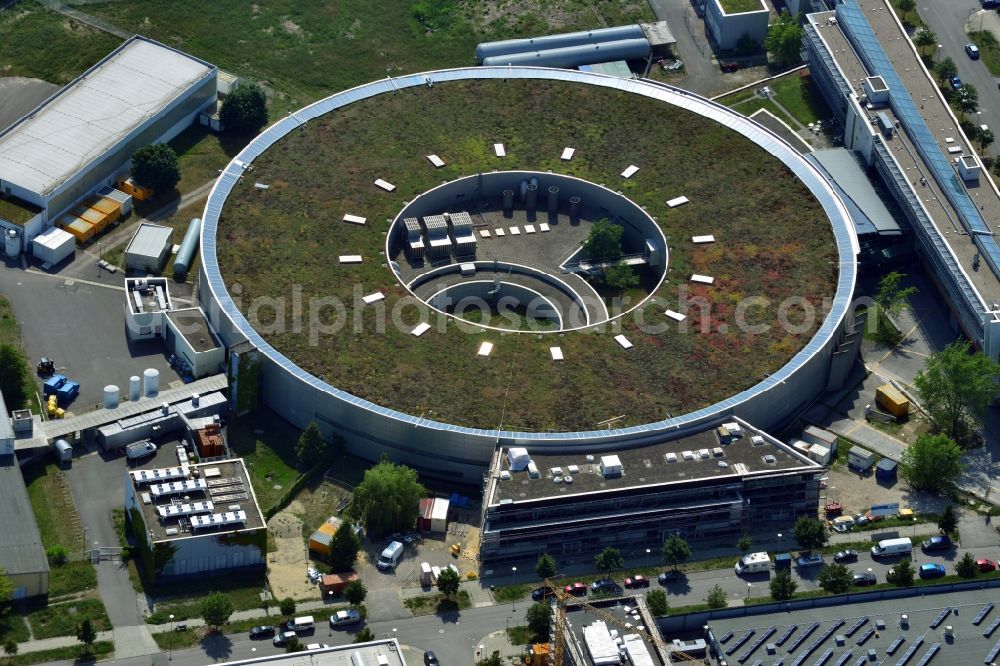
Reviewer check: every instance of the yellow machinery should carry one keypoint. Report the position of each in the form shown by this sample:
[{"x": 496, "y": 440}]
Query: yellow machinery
[{"x": 557, "y": 654}]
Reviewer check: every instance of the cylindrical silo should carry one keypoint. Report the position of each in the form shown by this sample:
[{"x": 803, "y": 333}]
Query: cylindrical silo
[
  {"x": 110, "y": 396},
  {"x": 574, "y": 206},
  {"x": 12, "y": 242},
  {"x": 487, "y": 49},
  {"x": 553, "y": 198},
  {"x": 531, "y": 197},
  {"x": 508, "y": 200},
  {"x": 185, "y": 255},
  {"x": 150, "y": 382},
  {"x": 134, "y": 388},
  {"x": 522, "y": 189}
]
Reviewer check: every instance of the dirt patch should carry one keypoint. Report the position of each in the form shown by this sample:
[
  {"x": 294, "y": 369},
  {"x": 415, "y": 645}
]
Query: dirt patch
[
  {"x": 858, "y": 493},
  {"x": 287, "y": 565},
  {"x": 291, "y": 27}
]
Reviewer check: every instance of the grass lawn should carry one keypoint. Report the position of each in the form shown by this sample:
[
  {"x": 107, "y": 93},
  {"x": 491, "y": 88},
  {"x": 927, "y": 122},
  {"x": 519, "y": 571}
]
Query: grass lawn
[
  {"x": 739, "y": 6},
  {"x": 13, "y": 626},
  {"x": 71, "y": 578},
  {"x": 801, "y": 97},
  {"x": 201, "y": 154},
  {"x": 749, "y": 107},
  {"x": 10, "y": 334},
  {"x": 271, "y": 240},
  {"x": 989, "y": 49},
  {"x": 53, "y": 506},
  {"x": 75, "y": 653},
  {"x": 183, "y": 599},
  {"x": 911, "y": 21},
  {"x": 61, "y": 619},
  {"x": 36, "y": 43},
  {"x": 513, "y": 592},
  {"x": 437, "y": 603},
  {"x": 267, "y": 443}
]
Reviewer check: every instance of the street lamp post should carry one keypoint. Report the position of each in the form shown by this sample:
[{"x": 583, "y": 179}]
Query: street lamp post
[
  {"x": 170, "y": 648},
  {"x": 513, "y": 572},
  {"x": 648, "y": 551},
  {"x": 749, "y": 587},
  {"x": 253, "y": 652}
]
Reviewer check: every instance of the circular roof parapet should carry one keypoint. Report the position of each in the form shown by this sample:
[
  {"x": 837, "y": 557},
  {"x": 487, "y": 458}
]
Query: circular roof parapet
[{"x": 828, "y": 332}]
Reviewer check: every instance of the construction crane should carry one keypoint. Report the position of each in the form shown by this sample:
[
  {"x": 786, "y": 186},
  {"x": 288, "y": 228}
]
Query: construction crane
[{"x": 559, "y": 630}]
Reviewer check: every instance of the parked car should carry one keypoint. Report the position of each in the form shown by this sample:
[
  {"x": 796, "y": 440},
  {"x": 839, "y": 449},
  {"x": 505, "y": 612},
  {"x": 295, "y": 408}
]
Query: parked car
[
  {"x": 936, "y": 543},
  {"x": 577, "y": 589},
  {"x": 262, "y": 632},
  {"x": 281, "y": 640},
  {"x": 846, "y": 556},
  {"x": 956, "y": 82},
  {"x": 605, "y": 586},
  {"x": 932, "y": 570},
  {"x": 316, "y": 646},
  {"x": 668, "y": 577},
  {"x": 809, "y": 560},
  {"x": 543, "y": 592},
  {"x": 972, "y": 51},
  {"x": 985, "y": 565},
  {"x": 430, "y": 659},
  {"x": 729, "y": 66},
  {"x": 636, "y": 581},
  {"x": 340, "y": 618},
  {"x": 313, "y": 574},
  {"x": 864, "y": 579}
]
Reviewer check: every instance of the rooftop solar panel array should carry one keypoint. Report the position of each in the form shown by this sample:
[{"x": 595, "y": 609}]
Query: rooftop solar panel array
[
  {"x": 865, "y": 636},
  {"x": 940, "y": 618},
  {"x": 823, "y": 658},
  {"x": 802, "y": 637},
  {"x": 926, "y": 659},
  {"x": 993, "y": 627},
  {"x": 982, "y": 614},
  {"x": 786, "y": 634},
  {"x": 912, "y": 650},
  {"x": 843, "y": 658},
  {"x": 857, "y": 625},
  {"x": 757, "y": 643},
  {"x": 861, "y": 35},
  {"x": 741, "y": 640},
  {"x": 992, "y": 654},
  {"x": 894, "y": 645}
]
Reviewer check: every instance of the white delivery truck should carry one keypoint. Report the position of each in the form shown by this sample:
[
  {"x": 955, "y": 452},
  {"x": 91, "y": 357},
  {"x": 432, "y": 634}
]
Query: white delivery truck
[
  {"x": 390, "y": 557},
  {"x": 753, "y": 563},
  {"x": 890, "y": 547}
]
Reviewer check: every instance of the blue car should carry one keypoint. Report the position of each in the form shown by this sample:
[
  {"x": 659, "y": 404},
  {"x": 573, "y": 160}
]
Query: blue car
[
  {"x": 956, "y": 83},
  {"x": 932, "y": 571},
  {"x": 941, "y": 542}
]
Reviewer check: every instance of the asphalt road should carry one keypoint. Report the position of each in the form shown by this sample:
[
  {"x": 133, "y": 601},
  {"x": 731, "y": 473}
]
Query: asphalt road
[{"x": 947, "y": 20}]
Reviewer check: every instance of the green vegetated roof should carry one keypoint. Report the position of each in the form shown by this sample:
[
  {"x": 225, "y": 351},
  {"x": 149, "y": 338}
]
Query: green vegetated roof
[
  {"x": 772, "y": 240},
  {"x": 17, "y": 211},
  {"x": 741, "y": 6}
]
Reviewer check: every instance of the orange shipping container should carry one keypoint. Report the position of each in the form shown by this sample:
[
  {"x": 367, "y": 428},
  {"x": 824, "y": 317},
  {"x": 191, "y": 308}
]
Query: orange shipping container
[
  {"x": 82, "y": 230},
  {"x": 112, "y": 209}
]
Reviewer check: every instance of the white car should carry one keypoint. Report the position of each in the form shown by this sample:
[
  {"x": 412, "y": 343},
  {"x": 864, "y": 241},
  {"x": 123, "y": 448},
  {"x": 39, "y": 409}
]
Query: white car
[
  {"x": 314, "y": 575},
  {"x": 316, "y": 646}
]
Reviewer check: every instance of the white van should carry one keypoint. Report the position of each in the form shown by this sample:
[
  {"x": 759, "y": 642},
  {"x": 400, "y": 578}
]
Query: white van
[
  {"x": 890, "y": 547},
  {"x": 753, "y": 563},
  {"x": 301, "y": 624},
  {"x": 390, "y": 557}
]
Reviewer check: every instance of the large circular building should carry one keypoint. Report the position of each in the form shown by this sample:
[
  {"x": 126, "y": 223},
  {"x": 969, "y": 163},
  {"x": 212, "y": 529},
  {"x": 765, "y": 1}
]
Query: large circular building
[{"x": 422, "y": 264}]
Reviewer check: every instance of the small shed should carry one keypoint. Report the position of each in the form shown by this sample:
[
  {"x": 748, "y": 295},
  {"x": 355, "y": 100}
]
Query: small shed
[
  {"x": 333, "y": 584},
  {"x": 424, "y": 514},
  {"x": 860, "y": 458},
  {"x": 53, "y": 246},
  {"x": 816, "y": 435},
  {"x": 886, "y": 470},
  {"x": 819, "y": 453},
  {"x": 439, "y": 515},
  {"x": 518, "y": 459},
  {"x": 64, "y": 451},
  {"x": 319, "y": 541},
  {"x": 149, "y": 248},
  {"x": 611, "y": 466}
]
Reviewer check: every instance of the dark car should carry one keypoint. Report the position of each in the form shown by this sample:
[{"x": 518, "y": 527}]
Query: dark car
[
  {"x": 729, "y": 66},
  {"x": 430, "y": 659},
  {"x": 543, "y": 592},
  {"x": 864, "y": 579},
  {"x": 636, "y": 581},
  {"x": 955, "y": 82},
  {"x": 972, "y": 51},
  {"x": 932, "y": 570},
  {"x": 806, "y": 560},
  {"x": 577, "y": 589},
  {"x": 846, "y": 556},
  {"x": 605, "y": 586},
  {"x": 668, "y": 577},
  {"x": 936, "y": 543},
  {"x": 262, "y": 632}
]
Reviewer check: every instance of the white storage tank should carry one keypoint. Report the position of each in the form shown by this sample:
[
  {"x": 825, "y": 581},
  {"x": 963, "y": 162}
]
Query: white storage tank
[
  {"x": 110, "y": 396},
  {"x": 64, "y": 452},
  {"x": 134, "y": 388},
  {"x": 150, "y": 382},
  {"x": 12, "y": 242}
]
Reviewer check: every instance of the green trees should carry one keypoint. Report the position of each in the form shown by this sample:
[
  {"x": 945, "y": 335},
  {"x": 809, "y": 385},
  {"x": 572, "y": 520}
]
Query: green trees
[
  {"x": 925, "y": 39},
  {"x": 295, "y": 645},
  {"x": 387, "y": 499},
  {"x": 784, "y": 39},
  {"x": 656, "y": 600},
  {"x": 287, "y": 607},
  {"x": 447, "y": 582},
  {"x": 6, "y": 591},
  {"x": 716, "y": 597},
  {"x": 57, "y": 555},
  {"x": 892, "y": 297},
  {"x": 355, "y": 593},
  {"x": 156, "y": 166},
  {"x": 902, "y": 573},
  {"x": 946, "y": 69},
  {"x": 783, "y": 586},
  {"x": 809, "y": 532},
  {"x": 956, "y": 387},
  {"x": 966, "y": 567},
  {"x": 967, "y": 99},
  {"x": 676, "y": 551},
  {"x": 310, "y": 449},
  {"x": 948, "y": 520},
  {"x": 835, "y": 578},
  {"x": 13, "y": 372},
  {"x": 604, "y": 242},
  {"x": 493, "y": 660},
  {"x": 216, "y": 609},
  {"x": 931, "y": 463},
  {"x": 744, "y": 543},
  {"x": 364, "y": 636},
  {"x": 539, "y": 617},
  {"x": 545, "y": 567},
  {"x": 86, "y": 634},
  {"x": 344, "y": 547},
  {"x": 906, "y": 6},
  {"x": 621, "y": 277},
  {"x": 609, "y": 559},
  {"x": 10, "y": 649},
  {"x": 244, "y": 111}
]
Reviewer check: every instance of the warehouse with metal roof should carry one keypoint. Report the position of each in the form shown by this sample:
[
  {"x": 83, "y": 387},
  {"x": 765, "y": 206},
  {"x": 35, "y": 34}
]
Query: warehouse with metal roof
[{"x": 83, "y": 136}]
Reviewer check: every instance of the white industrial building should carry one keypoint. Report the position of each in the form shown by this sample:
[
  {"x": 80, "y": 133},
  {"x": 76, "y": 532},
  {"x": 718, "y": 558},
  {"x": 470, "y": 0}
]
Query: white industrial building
[
  {"x": 149, "y": 248},
  {"x": 83, "y": 137},
  {"x": 52, "y": 246}
]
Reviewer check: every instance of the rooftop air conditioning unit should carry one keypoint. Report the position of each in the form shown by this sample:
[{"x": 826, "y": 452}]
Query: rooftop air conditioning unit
[
  {"x": 505, "y": 475},
  {"x": 769, "y": 459},
  {"x": 567, "y": 479},
  {"x": 171, "y": 531}
]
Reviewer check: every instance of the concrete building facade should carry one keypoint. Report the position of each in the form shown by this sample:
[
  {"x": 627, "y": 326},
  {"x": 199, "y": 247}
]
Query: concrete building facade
[{"x": 727, "y": 29}]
